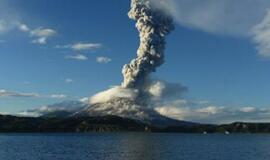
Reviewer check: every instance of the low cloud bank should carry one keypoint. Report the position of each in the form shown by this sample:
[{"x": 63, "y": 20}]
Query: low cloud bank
[
  {"x": 66, "y": 106},
  {"x": 215, "y": 114}
]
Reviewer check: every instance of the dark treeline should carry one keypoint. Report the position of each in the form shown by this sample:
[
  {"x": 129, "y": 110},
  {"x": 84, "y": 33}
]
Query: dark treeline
[{"x": 117, "y": 124}]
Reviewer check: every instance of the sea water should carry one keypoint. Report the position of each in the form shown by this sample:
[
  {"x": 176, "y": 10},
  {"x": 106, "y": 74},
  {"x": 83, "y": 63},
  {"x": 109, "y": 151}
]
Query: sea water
[{"x": 134, "y": 146}]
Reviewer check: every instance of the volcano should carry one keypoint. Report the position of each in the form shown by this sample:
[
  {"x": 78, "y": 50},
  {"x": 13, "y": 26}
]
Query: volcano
[
  {"x": 133, "y": 99},
  {"x": 127, "y": 108}
]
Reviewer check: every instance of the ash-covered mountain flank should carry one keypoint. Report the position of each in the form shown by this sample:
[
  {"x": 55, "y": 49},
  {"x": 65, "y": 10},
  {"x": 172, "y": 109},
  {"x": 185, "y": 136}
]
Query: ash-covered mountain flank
[
  {"x": 120, "y": 107},
  {"x": 128, "y": 108},
  {"x": 123, "y": 107}
]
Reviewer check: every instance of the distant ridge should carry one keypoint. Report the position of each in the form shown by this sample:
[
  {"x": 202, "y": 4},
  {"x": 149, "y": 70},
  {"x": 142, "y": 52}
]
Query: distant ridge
[{"x": 117, "y": 124}]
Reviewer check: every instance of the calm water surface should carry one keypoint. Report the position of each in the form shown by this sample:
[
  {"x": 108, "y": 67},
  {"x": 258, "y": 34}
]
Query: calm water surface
[{"x": 134, "y": 146}]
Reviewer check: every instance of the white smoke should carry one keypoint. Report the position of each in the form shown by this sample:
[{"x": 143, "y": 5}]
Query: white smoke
[
  {"x": 162, "y": 90},
  {"x": 155, "y": 90},
  {"x": 261, "y": 37},
  {"x": 113, "y": 93}
]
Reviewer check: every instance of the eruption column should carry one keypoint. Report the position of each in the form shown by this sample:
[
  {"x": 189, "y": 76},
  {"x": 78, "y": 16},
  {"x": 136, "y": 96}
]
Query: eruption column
[{"x": 153, "y": 25}]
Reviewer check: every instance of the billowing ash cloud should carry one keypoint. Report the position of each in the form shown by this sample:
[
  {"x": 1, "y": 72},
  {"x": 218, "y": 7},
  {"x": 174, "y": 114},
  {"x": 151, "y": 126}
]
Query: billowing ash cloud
[
  {"x": 153, "y": 25},
  {"x": 156, "y": 90}
]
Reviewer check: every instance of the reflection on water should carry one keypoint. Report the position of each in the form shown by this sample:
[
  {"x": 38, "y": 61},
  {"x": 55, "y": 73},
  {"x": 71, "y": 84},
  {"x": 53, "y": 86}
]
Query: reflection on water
[
  {"x": 139, "y": 146},
  {"x": 134, "y": 146}
]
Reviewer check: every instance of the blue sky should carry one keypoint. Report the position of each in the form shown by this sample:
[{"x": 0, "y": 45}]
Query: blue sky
[{"x": 52, "y": 51}]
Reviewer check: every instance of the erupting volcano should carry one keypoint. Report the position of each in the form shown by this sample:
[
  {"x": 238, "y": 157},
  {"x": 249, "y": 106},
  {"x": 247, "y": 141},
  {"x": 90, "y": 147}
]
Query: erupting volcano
[{"x": 133, "y": 99}]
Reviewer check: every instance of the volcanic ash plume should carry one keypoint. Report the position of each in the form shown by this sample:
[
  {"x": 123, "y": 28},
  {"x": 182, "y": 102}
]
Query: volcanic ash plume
[
  {"x": 153, "y": 25},
  {"x": 133, "y": 98}
]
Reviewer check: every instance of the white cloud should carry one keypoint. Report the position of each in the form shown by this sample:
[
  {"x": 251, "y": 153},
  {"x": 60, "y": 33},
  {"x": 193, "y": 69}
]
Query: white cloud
[
  {"x": 5, "y": 93},
  {"x": 3, "y": 26},
  {"x": 7, "y": 25},
  {"x": 114, "y": 92},
  {"x": 12, "y": 24},
  {"x": 42, "y": 34},
  {"x": 230, "y": 17},
  {"x": 248, "y": 109},
  {"x": 79, "y": 57},
  {"x": 84, "y": 100},
  {"x": 63, "y": 46},
  {"x": 10, "y": 20},
  {"x": 41, "y": 40},
  {"x": 203, "y": 102},
  {"x": 174, "y": 112},
  {"x": 58, "y": 96},
  {"x": 23, "y": 27},
  {"x": 159, "y": 89},
  {"x": 68, "y": 80},
  {"x": 261, "y": 33},
  {"x": 65, "y": 106},
  {"x": 156, "y": 89},
  {"x": 4, "y": 113},
  {"x": 212, "y": 113},
  {"x": 250, "y": 19},
  {"x": 85, "y": 46},
  {"x": 210, "y": 110},
  {"x": 29, "y": 114},
  {"x": 80, "y": 46},
  {"x": 103, "y": 60}
]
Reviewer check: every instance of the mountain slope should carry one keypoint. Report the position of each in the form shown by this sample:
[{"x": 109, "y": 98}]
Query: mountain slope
[
  {"x": 127, "y": 108},
  {"x": 120, "y": 107}
]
